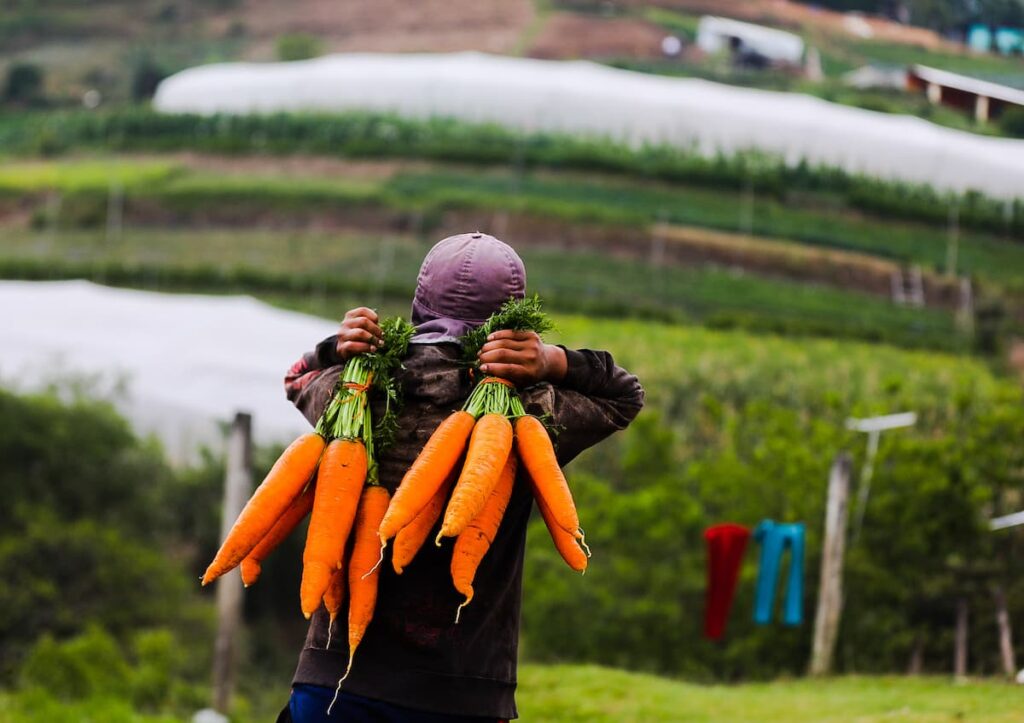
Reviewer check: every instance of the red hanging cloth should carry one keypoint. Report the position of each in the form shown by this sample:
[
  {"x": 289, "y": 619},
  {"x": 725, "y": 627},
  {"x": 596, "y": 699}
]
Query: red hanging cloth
[{"x": 726, "y": 543}]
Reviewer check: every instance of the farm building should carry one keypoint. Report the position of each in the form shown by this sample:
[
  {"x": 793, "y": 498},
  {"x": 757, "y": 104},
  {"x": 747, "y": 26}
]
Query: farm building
[
  {"x": 1005, "y": 41},
  {"x": 749, "y": 44},
  {"x": 984, "y": 99},
  {"x": 588, "y": 99}
]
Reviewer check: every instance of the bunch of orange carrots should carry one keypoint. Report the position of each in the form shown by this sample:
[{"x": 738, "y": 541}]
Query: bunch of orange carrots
[
  {"x": 467, "y": 470},
  {"x": 495, "y": 436},
  {"x": 330, "y": 474}
]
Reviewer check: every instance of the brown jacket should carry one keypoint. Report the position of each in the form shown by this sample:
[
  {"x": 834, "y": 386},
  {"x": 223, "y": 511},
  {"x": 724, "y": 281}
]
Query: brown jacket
[{"x": 413, "y": 653}]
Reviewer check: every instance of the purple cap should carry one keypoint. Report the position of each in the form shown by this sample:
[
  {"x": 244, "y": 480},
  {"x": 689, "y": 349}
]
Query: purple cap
[{"x": 463, "y": 280}]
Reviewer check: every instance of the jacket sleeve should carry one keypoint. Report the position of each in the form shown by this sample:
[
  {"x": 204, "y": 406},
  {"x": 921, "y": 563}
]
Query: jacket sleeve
[
  {"x": 310, "y": 381},
  {"x": 595, "y": 399}
]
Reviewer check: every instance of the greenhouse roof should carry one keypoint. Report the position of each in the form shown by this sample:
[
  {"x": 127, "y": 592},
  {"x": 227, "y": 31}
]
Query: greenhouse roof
[
  {"x": 589, "y": 99},
  {"x": 186, "y": 362}
]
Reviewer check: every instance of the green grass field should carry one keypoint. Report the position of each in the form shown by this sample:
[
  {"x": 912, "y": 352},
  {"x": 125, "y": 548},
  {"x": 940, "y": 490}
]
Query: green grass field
[
  {"x": 591, "y": 694},
  {"x": 567, "y": 694}
]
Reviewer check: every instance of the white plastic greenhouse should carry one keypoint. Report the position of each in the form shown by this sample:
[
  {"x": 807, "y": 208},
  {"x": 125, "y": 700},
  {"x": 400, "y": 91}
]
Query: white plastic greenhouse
[
  {"x": 585, "y": 98},
  {"x": 186, "y": 362}
]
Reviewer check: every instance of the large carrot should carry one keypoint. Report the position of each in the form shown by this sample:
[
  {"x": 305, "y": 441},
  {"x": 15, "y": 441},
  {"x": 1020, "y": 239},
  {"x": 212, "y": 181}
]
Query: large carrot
[
  {"x": 565, "y": 543},
  {"x": 489, "y": 448},
  {"x": 476, "y": 539},
  {"x": 410, "y": 538},
  {"x": 338, "y": 486},
  {"x": 363, "y": 570},
  {"x": 278, "y": 490},
  {"x": 538, "y": 456},
  {"x": 252, "y": 564},
  {"x": 428, "y": 472}
]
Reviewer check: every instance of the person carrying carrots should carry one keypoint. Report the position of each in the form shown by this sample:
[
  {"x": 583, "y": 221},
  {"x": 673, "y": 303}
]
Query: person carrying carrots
[{"x": 415, "y": 663}]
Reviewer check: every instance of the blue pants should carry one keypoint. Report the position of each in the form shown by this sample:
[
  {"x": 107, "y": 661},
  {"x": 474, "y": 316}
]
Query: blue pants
[
  {"x": 308, "y": 704},
  {"x": 774, "y": 538}
]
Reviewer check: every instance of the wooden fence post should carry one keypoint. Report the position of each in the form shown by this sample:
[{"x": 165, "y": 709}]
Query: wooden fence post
[
  {"x": 830, "y": 590},
  {"x": 237, "y": 488},
  {"x": 1005, "y": 641},
  {"x": 960, "y": 652}
]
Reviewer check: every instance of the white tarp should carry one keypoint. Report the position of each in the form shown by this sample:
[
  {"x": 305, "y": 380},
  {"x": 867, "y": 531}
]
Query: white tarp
[
  {"x": 716, "y": 35},
  {"x": 188, "y": 361},
  {"x": 587, "y": 98}
]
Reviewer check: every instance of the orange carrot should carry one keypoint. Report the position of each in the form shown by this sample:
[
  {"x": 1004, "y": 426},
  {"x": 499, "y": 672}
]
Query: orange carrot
[
  {"x": 363, "y": 570},
  {"x": 489, "y": 447},
  {"x": 278, "y": 490},
  {"x": 334, "y": 598},
  {"x": 338, "y": 487},
  {"x": 428, "y": 472},
  {"x": 252, "y": 564},
  {"x": 538, "y": 456},
  {"x": 565, "y": 543},
  {"x": 410, "y": 538},
  {"x": 476, "y": 539}
]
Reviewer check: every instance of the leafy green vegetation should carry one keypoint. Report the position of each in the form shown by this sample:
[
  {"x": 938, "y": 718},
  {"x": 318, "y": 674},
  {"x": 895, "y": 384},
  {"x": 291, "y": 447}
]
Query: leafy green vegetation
[
  {"x": 304, "y": 265},
  {"x": 370, "y": 135},
  {"x": 297, "y": 46},
  {"x": 427, "y": 194},
  {"x": 741, "y": 428}
]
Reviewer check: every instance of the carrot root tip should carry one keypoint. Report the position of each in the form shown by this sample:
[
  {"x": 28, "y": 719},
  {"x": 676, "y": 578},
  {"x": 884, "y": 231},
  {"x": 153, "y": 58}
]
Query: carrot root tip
[
  {"x": 583, "y": 542},
  {"x": 437, "y": 540},
  {"x": 337, "y": 690},
  {"x": 374, "y": 568},
  {"x": 464, "y": 604}
]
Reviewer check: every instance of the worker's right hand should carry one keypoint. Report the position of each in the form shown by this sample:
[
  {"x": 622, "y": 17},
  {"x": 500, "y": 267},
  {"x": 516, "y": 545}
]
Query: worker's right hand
[{"x": 359, "y": 333}]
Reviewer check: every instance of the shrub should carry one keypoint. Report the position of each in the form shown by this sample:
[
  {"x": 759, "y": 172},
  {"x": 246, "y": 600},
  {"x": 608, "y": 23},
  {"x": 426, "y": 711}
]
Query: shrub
[
  {"x": 1012, "y": 122},
  {"x": 297, "y": 46},
  {"x": 24, "y": 84},
  {"x": 146, "y": 76}
]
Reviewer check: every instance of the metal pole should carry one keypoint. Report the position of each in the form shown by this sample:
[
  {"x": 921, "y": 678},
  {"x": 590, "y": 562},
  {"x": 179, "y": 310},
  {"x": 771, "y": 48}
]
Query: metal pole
[
  {"x": 237, "y": 487},
  {"x": 864, "y": 488}
]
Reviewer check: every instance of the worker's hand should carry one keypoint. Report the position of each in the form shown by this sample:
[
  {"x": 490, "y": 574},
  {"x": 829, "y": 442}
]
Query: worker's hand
[
  {"x": 522, "y": 357},
  {"x": 359, "y": 333}
]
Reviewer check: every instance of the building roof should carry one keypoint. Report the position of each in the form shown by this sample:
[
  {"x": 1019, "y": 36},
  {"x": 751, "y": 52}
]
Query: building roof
[
  {"x": 769, "y": 42},
  {"x": 591, "y": 100},
  {"x": 968, "y": 85}
]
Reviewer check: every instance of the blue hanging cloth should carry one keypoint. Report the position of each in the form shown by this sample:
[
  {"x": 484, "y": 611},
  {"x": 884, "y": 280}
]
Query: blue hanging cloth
[{"x": 774, "y": 537}]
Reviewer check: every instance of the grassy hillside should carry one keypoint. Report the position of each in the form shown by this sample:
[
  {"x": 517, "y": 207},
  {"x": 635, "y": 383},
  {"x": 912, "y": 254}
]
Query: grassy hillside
[{"x": 316, "y": 271}]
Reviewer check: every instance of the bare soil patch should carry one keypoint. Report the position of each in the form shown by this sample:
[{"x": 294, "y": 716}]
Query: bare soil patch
[
  {"x": 566, "y": 36},
  {"x": 393, "y": 25}
]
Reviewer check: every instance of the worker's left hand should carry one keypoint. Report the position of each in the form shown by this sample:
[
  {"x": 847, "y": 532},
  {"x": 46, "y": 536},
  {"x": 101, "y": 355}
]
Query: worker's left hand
[{"x": 522, "y": 357}]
